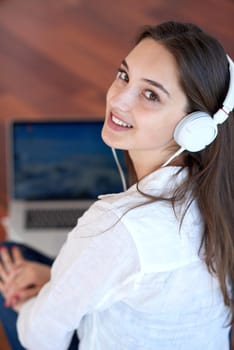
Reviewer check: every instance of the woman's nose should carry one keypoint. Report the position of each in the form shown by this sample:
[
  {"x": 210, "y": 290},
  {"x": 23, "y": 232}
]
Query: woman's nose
[{"x": 124, "y": 100}]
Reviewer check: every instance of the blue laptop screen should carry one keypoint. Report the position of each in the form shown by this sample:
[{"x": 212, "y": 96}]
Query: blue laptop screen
[{"x": 62, "y": 160}]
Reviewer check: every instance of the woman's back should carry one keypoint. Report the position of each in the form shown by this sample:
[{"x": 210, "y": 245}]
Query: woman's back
[{"x": 172, "y": 302}]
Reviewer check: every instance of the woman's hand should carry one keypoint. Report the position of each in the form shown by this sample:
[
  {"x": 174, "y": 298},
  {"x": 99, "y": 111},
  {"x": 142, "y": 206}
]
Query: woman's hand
[
  {"x": 20, "y": 279},
  {"x": 8, "y": 265}
]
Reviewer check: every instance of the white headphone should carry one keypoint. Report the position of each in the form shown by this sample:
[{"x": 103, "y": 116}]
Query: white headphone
[{"x": 198, "y": 129}]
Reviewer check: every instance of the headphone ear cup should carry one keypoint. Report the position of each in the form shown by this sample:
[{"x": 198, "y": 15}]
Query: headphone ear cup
[{"x": 195, "y": 131}]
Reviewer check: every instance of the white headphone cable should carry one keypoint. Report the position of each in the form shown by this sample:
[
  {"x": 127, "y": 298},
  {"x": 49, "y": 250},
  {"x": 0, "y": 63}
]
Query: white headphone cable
[
  {"x": 121, "y": 173},
  {"x": 176, "y": 154}
]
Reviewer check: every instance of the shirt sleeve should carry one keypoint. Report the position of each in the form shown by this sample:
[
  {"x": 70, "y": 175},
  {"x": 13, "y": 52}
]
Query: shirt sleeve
[{"x": 96, "y": 267}]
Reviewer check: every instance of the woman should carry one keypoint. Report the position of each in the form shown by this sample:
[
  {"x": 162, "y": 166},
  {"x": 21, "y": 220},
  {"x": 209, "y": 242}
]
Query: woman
[{"x": 151, "y": 268}]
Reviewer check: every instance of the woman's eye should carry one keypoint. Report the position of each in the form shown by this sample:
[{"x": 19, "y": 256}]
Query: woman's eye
[
  {"x": 122, "y": 75},
  {"x": 150, "y": 95}
]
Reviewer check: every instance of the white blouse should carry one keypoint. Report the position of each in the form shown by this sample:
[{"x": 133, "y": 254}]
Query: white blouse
[{"x": 130, "y": 278}]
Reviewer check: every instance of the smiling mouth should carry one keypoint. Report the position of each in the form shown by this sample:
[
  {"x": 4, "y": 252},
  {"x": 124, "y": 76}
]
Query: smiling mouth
[{"x": 119, "y": 122}]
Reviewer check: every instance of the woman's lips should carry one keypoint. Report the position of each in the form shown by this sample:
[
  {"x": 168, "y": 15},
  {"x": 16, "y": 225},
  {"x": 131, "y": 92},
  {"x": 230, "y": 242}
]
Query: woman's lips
[{"x": 116, "y": 123}]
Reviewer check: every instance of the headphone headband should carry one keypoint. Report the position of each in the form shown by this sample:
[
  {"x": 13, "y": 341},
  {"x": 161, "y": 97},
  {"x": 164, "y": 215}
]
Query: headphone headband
[{"x": 222, "y": 114}]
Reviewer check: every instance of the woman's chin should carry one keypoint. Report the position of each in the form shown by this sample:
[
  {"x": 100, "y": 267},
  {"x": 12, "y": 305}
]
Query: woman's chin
[{"x": 107, "y": 140}]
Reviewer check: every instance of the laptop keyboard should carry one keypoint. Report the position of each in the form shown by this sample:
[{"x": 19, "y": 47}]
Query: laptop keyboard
[{"x": 52, "y": 218}]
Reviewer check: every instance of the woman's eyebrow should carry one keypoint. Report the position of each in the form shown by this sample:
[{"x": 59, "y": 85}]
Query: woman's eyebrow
[
  {"x": 149, "y": 81},
  {"x": 158, "y": 85},
  {"x": 124, "y": 63}
]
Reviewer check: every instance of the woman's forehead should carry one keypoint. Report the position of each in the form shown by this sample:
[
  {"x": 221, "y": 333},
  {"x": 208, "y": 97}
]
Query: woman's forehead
[{"x": 151, "y": 60}]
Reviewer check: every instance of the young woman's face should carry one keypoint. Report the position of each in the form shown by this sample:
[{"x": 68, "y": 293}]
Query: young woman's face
[{"x": 144, "y": 104}]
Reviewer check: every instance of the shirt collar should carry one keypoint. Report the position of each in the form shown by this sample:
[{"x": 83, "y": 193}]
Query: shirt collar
[{"x": 163, "y": 180}]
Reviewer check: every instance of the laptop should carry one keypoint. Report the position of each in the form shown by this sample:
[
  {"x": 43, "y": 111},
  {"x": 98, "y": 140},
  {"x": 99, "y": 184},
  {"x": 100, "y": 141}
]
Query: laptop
[{"x": 57, "y": 169}]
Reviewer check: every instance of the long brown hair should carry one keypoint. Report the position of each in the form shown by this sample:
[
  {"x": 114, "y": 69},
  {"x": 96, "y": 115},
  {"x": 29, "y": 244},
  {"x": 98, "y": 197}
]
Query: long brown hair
[{"x": 204, "y": 77}]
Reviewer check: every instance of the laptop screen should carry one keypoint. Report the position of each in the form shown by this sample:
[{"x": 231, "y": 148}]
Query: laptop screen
[{"x": 62, "y": 160}]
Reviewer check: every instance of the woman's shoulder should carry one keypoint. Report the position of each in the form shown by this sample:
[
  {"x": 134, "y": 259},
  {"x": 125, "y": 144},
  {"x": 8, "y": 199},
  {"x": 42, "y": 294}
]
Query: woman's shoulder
[{"x": 160, "y": 183}]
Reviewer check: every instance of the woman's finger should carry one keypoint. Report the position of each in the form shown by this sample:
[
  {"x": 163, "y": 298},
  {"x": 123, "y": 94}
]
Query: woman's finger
[
  {"x": 21, "y": 296},
  {"x": 10, "y": 281},
  {"x": 29, "y": 293},
  {"x": 17, "y": 255},
  {"x": 2, "y": 288},
  {"x": 6, "y": 259},
  {"x": 3, "y": 273}
]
